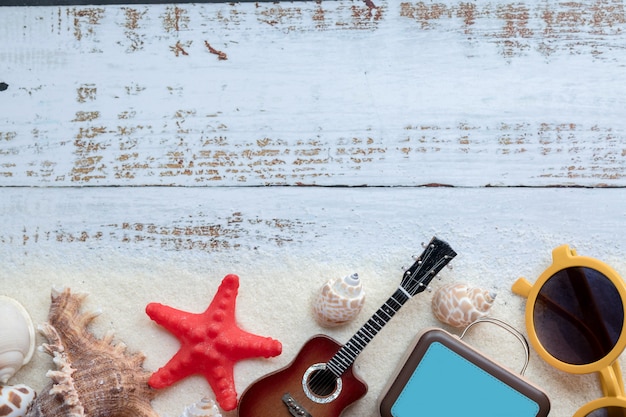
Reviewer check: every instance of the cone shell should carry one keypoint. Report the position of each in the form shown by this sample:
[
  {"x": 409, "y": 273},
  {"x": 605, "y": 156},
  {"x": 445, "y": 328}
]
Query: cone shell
[
  {"x": 460, "y": 304},
  {"x": 14, "y": 400},
  {"x": 339, "y": 301},
  {"x": 17, "y": 338},
  {"x": 203, "y": 408}
]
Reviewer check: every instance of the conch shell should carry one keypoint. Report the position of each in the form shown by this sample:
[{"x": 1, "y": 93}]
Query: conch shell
[
  {"x": 17, "y": 337},
  {"x": 461, "y": 304},
  {"x": 14, "y": 400},
  {"x": 206, "y": 407},
  {"x": 93, "y": 377},
  {"x": 339, "y": 301}
]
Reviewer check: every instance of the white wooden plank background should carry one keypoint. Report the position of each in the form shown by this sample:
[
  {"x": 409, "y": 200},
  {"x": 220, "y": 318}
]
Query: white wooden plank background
[
  {"x": 462, "y": 93},
  {"x": 136, "y": 141}
]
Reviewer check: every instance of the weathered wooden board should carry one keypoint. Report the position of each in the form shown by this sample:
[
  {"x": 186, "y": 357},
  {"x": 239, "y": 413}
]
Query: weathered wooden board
[
  {"x": 329, "y": 93},
  {"x": 127, "y": 247},
  {"x": 147, "y": 133}
]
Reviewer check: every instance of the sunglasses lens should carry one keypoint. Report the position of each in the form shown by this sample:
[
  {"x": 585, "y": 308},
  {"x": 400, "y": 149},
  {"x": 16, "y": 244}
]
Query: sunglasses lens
[
  {"x": 578, "y": 315},
  {"x": 608, "y": 412}
]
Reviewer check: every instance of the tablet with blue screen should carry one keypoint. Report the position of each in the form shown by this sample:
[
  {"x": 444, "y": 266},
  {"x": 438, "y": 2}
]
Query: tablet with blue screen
[{"x": 445, "y": 377}]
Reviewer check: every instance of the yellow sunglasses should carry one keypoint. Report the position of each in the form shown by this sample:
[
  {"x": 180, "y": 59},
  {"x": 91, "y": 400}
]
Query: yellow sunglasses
[{"x": 575, "y": 317}]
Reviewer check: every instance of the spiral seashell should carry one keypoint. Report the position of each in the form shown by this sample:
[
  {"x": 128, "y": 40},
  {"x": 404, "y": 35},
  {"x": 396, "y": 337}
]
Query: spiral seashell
[
  {"x": 91, "y": 376},
  {"x": 460, "y": 304},
  {"x": 206, "y": 407},
  {"x": 14, "y": 400},
  {"x": 339, "y": 301},
  {"x": 17, "y": 337}
]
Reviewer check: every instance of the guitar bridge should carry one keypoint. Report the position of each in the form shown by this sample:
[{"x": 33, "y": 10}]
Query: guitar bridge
[{"x": 295, "y": 409}]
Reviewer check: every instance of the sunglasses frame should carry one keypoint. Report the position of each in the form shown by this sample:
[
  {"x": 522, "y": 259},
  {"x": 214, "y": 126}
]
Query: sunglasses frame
[
  {"x": 562, "y": 258},
  {"x": 604, "y": 402},
  {"x": 609, "y": 368}
]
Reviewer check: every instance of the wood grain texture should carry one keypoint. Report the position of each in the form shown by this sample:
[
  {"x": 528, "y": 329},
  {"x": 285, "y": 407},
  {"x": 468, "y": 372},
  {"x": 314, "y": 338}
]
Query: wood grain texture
[{"x": 327, "y": 93}]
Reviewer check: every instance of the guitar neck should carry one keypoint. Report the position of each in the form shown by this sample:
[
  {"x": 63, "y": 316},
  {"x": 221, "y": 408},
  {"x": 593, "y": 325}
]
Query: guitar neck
[
  {"x": 348, "y": 353},
  {"x": 436, "y": 255}
]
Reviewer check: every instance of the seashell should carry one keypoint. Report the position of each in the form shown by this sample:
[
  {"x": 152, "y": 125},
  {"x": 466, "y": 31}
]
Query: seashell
[
  {"x": 14, "y": 400},
  {"x": 206, "y": 407},
  {"x": 93, "y": 377},
  {"x": 339, "y": 301},
  {"x": 460, "y": 304},
  {"x": 17, "y": 338}
]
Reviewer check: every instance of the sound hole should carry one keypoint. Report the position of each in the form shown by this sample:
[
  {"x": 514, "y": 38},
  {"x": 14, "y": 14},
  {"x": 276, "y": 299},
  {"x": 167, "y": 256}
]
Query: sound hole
[{"x": 320, "y": 384}]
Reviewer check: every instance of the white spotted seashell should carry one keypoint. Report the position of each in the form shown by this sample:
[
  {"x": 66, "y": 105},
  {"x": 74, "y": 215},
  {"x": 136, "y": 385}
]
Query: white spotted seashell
[
  {"x": 339, "y": 301},
  {"x": 461, "y": 304},
  {"x": 206, "y": 407},
  {"x": 14, "y": 400},
  {"x": 17, "y": 337}
]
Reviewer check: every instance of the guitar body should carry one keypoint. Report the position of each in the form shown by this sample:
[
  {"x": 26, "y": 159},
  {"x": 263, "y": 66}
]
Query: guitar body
[
  {"x": 320, "y": 381},
  {"x": 264, "y": 397}
]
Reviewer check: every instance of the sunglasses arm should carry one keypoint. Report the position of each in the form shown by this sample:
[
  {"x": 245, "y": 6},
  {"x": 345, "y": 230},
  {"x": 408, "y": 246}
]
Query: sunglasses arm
[{"x": 612, "y": 381}]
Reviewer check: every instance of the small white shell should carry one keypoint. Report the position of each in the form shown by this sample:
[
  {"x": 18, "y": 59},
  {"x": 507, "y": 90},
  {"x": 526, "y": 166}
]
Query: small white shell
[
  {"x": 206, "y": 407},
  {"x": 339, "y": 301},
  {"x": 17, "y": 337},
  {"x": 14, "y": 400},
  {"x": 460, "y": 304}
]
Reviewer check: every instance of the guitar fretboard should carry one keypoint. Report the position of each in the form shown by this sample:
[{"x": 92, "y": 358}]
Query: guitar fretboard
[
  {"x": 415, "y": 279},
  {"x": 348, "y": 353}
]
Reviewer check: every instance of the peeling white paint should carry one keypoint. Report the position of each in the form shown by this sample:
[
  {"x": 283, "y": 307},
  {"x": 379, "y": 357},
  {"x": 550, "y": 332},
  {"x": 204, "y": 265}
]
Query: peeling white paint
[{"x": 315, "y": 93}]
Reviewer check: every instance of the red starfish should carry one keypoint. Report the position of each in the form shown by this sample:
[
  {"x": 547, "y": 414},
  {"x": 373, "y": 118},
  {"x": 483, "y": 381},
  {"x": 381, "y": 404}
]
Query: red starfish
[{"x": 211, "y": 344}]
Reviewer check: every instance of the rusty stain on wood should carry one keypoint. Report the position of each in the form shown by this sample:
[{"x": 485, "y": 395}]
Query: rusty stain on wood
[
  {"x": 423, "y": 13},
  {"x": 132, "y": 26},
  {"x": 467, "y": 11},
  {"x": 7, "y": 136},
  {"x": 85, "y": 21},
  {"x": 215, "y": 158},
  {"x": 175, "y": 19},
  {"x": 86, "y": 92},
  {"x": 277, "y": 14},
  {"x": 225, "y": 234},
  {"x": 220, "y": 55},
  {"x": 179, "y": 48},
  {"x": 86, "y": 116},
  {"x": 603, "y": 17}
]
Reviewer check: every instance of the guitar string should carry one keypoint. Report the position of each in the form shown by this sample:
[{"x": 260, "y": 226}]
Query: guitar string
[{"x": 328, "y": 381}]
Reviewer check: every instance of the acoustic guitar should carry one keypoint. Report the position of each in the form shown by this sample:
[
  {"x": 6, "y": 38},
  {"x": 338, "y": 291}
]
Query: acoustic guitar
[{"x": 320, "y": 381}]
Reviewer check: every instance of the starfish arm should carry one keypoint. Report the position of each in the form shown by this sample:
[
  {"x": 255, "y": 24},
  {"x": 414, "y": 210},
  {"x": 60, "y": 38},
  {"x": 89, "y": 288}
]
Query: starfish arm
[
  {"x": 174, "y": 320},
  {"x": 244, "y": 345},
  {"x": 226, "y": 296},
  {"x": 222, "y": 382},
  {"x": 178, "y": 367}
]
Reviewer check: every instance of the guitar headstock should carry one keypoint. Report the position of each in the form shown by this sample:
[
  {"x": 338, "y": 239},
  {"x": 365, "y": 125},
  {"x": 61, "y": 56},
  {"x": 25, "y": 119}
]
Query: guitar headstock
[{"x": 436, "y": 255}]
